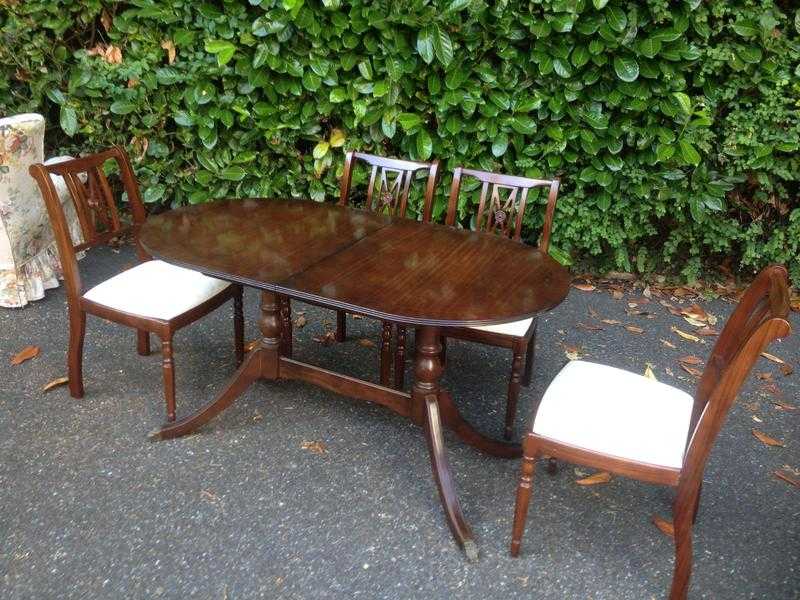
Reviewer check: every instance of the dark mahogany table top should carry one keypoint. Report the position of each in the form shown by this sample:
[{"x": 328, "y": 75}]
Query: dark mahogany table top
[{"x": 385, "y": 267}]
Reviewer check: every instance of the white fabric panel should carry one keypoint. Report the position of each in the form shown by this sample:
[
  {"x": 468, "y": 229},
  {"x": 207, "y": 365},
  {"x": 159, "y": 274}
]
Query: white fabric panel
[
  {"x": 515, "y": 328},
  {"x": 156, "y": 289},
  {"x": 616, "y": 412}
]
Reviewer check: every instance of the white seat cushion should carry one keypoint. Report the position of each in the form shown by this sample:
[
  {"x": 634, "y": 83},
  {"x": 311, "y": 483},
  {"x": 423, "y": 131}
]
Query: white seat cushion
[
  {"x": 616, "y": 412},
  {"x": 156, "y": 289},
  {"x": 515, "y": 328}
]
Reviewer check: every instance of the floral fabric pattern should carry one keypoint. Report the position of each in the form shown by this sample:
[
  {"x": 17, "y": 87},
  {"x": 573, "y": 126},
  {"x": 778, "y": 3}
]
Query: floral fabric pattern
[{"x": 29, "y": 262}]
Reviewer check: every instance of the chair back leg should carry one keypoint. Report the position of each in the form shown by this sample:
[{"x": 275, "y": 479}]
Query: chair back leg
[
  {"x": 513, "y": 387},
  {"x": 526, "y": 379},
  {"x": 682, "y": 520},
  {"x": 341, "y": 325},
  {"x": 400, "y": 357},
  {"x": 77, "y": 331},
  {"x": 386, "y": 353},
  {"x": 524, "y": 489},
  {"x": 238, "y": 326},
  {"x": 168, "y": 368},
  {"x": 142, "y": 342}
]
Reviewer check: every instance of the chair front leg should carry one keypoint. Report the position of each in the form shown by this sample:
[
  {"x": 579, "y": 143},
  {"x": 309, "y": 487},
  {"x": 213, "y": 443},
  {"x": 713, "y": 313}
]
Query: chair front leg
[
  {"x": 77, "y": 331},
  {"x": 142, "y": 342},
  {"x": 386, "y": 353},
  {"x": 238, "y": 325},
  {"x": 341, "y": 325},
  {"x": 524, "y": 489},
  {"x": 168, "y": 368},
  {"x": 513, "y": 387},
  {"x": 400, "y": 357}
]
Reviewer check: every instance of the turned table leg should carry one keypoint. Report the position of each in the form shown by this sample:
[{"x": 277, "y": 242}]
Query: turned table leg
[{"x": 425, "y": 398}]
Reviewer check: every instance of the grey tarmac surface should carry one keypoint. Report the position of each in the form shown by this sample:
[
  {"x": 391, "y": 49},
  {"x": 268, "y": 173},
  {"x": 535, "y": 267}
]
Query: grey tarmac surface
[{"x": 90, "y": 509}]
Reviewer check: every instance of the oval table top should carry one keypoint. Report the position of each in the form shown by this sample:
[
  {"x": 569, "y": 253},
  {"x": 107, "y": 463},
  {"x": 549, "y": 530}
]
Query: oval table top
[{"x": 384, "y": 267}]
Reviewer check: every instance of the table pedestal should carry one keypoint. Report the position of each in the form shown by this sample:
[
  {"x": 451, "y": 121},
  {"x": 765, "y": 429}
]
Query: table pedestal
[{"x": 428, "y": 405}]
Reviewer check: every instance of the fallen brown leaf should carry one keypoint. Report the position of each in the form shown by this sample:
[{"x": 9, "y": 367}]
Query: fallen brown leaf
[
  {"x": 588, "y": 327},
  {"x": 782, "y": 475},
  {"x": 617, "y": 294},
  {"x": 684, "y": 335},
  {"x": 667, "y": 343},
  {"x": 106, "y": 20},
  {"x": 366, "y": 343},
  {"x": 314, "y": 447},
  {"x": 326, "y": 339},
  {"x": 648, "y": 372},
  {"x": 27, "y": 353},
  {"x": 666, "y": 527},
  {"x": 691, "y": 360},
  {"x": 620, "y": 276},
  {"x": 634, "y": 329},
  {"x": 706, "y": 331},
  {"x": 765, "y": 439},
  {"x": 601, "y": 477},
  {"x": 55, "y": 383},
  {"x": 584, "y": 287},
  {"x": 610, "y": 321},
  {"x": 773, "y": 358},
  {"x": 783, "y": 405},
  {"x": 787, "y": 369},
  {"x": 691, "y": 370},
  {"x": 300, "y": 321},
  {"x": 572, "y": 352},
  {"x": 694, "y": 322}
]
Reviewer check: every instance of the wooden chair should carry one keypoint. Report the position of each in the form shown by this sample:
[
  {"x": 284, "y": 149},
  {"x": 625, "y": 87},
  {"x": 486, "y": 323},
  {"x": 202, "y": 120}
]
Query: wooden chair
[
  {"x": 387, "y": 193},
  {"x": 152, "y": 297},
  {"x": 618, "y": 421},
  {"x": 504, "y": 216}
]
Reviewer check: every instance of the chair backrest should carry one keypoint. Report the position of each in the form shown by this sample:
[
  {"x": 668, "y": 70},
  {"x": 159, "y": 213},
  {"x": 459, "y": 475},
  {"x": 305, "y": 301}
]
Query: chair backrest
[
  {"x": 504, "y": 215},
  {"x": 389, "y": 183},
  {"x": 759, "y": 319},
  {"x": 93, "y": 198}
]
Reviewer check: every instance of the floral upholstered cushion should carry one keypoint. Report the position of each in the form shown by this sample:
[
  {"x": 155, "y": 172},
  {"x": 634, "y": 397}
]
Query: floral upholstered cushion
[{"x": 29, "y": 261}]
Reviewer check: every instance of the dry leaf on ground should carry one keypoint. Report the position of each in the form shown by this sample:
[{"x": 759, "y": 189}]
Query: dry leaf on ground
[
  {"x": 691, "y": 360},
  {"x": 780, "y": 405},
  {"x": 765, "y": 439},
  {"x": 773, "y": 358},
  {"x": 648, "y": 372},
  {"x": 601, "y": 477},
  {"x": 784, "y": 476},
  {"x": 314, "y": 447},
  {"x": 667, "y": 343},
  {"x": 326, "y": 339},
  {"x": 572, "y": 352},
  {"x": 588, "y": 327},
  {"x": 787, "y": 369},
  {"x": 691, "y": 370},
  {"x": 55, "y": 383},
  {"x": 584, "y": 287},
  {"x": 663, "y": 525},
  {"x": 366, "y": 343},
  {"x": 610, "y": 321},
  {"x": 684, "y": 335},
  {"x": 27, "y": 353},
  {"x": 634, "y": 329},
  {"x": 706, "y": 331},
  {"x": 300, "y": 321}
]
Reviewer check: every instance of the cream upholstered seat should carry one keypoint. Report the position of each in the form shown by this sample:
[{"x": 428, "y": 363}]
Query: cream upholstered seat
[
  {"x": 156, "y": 289},
  {"x": 515, "y": 328},
  {"x": 616, "y": 412}
]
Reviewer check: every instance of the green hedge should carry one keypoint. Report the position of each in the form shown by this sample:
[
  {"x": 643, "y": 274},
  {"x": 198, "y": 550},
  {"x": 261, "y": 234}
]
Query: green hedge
[{"x": 674, "y": 125}]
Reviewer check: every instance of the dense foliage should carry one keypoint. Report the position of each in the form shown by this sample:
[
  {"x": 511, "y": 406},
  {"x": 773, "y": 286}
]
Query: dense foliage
[{"x": 674, "y": 125}]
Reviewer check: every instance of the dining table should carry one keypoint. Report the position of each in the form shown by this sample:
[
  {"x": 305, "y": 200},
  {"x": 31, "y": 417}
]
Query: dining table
[{"x": 422, "y": 275}]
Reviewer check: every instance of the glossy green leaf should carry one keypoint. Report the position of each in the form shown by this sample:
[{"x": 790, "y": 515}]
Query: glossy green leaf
[
  {"x": 688, "y": 152},
  {"x": 233, "y": 173},
  {"x": 626, "y": 68},
  {"x": 425, "y": 43},
  {"x": 424, "y": 145},
  {"x": 500, "y": 145},
  {"x": 68, "y": 119}
]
